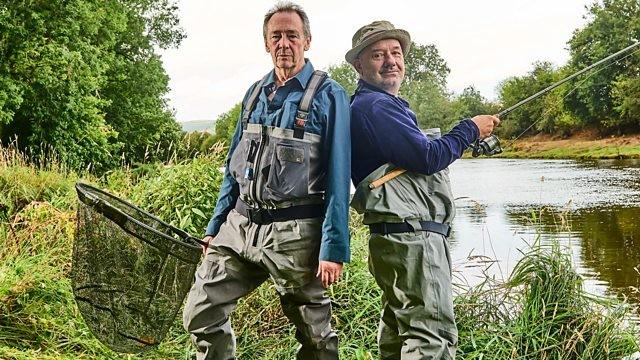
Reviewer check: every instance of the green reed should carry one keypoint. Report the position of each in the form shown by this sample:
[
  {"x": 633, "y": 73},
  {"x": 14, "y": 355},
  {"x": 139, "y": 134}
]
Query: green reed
[{"x": 540, "y": 312}]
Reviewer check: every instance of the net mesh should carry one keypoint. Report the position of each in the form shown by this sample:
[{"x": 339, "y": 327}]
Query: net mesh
[{"x": 131, "y": 271}]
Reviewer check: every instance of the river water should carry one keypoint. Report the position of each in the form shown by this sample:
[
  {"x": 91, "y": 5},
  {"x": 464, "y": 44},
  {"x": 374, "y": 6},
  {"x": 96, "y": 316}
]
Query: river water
[{"x": 592, "y": 208}]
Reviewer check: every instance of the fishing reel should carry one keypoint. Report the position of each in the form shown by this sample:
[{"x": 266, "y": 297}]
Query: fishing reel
[{"x": 487, "y": 146}]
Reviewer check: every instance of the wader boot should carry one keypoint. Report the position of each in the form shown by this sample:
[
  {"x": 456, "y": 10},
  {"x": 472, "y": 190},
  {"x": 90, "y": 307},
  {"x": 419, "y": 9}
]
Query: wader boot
[
  {"x": 274, "y": 232},
  {"x": 409, "y": 220}
]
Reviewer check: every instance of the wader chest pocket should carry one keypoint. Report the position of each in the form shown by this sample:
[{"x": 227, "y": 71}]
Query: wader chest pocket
[
  {"x": 238, "y": 164},
  {"x": 290, "y": 154},
  {"x": 289, "y": 175}
]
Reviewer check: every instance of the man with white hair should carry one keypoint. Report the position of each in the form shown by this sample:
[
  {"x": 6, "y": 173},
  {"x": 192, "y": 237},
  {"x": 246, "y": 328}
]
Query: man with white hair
[{"x": 282, "y": 211}]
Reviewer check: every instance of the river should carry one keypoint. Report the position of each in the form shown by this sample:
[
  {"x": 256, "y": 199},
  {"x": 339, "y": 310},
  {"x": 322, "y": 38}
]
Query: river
[{"x": 592, "y": 208}]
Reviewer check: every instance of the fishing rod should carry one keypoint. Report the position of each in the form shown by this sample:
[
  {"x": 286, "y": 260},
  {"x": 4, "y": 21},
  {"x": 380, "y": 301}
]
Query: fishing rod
[{"x": 491, "y": 144}]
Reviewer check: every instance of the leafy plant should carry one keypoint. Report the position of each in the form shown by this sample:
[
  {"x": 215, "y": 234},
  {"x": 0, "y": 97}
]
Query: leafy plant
[{"x": 184, "y": 194}]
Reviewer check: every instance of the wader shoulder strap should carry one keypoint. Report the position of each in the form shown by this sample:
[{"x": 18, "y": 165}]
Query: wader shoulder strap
[
  {"x": 251, "y": 101},
  {"x": 316, "y": 80}
]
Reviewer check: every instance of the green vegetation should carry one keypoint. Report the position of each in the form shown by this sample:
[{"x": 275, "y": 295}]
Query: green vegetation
[
  {"x": 83, "y": 78},
  {"x": 226, "y": 125},
  {"x": 82, "y": 92},
  {"x": 605, "y": 99},
  {"x": 541, "y": 312}
]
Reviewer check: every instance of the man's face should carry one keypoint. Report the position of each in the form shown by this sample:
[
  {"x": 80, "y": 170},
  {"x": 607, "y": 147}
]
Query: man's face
[
  {"x": 382, "y": 64},
  {"x": 286, "y": 41}
]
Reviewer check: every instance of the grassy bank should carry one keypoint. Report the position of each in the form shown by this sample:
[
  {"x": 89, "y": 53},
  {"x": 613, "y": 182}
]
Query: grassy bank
[
  {"x": 581, "y": 146},
  {"x": 540, "y": 313}
]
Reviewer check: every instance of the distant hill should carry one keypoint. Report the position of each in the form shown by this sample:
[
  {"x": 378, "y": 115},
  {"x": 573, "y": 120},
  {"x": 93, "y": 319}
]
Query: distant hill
[{"x": 198, "y": 125}]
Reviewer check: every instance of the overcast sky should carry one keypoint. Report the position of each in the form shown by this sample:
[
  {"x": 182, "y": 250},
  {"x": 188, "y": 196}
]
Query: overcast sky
[{"x": 483, "y": 42}]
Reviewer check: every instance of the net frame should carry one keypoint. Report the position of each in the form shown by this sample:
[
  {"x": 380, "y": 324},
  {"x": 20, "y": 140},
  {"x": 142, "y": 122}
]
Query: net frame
[{"x": 131, "y": 271}]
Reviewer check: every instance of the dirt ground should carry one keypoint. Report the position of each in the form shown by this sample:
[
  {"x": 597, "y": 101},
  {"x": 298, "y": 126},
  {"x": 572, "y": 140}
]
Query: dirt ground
[{"x": 582, "y": 140}]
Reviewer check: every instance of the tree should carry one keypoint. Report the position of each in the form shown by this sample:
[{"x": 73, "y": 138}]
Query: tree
[
  {"x": 515, "y": 89},
  {"x": 626, "y": 98},
  {"x": 424, "y": 87},
  {"x": 137, "y": 83},
  {"x": 225, "y": 125},
  {"x": 612, "y": 26},
  {"x": 471, "y": 103},
  {"x": 424, "y": 63},
  {"x": 54, "y": 61},
  {"x": 430, "y": 104},
  {"x": 345, "y": 75},
  {"x": 70, "y": 76}
]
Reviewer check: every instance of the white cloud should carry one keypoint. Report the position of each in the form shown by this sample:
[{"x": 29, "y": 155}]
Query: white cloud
[{"x": 483, "y": 42}]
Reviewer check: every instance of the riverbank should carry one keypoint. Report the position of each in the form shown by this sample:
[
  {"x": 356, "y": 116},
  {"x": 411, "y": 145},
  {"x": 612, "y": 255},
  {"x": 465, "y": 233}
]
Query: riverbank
[
  {"x": 540, "y": 312},
  {"x": 584, "y": 145}
]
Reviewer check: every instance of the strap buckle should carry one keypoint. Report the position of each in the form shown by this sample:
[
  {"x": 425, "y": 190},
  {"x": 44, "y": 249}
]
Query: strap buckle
[
  {"x": 383, "y": 229},
  {"x": 301, "y": 117},
  {"x": 260, "y": 216},
  {"x": 299, "y": 124}
]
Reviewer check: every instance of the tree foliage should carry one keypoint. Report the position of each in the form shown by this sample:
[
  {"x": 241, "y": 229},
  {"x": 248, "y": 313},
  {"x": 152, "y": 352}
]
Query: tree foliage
[
  {"x": 345, "y": 75},
  {"x": 430, "y": 103},
  {"x": 81, "y": 77},
  {"x": 424, "y": 64},
  {"x": 604, "y": 97},
  {"x": 516, "y": 88},
  {"x": 425, "y": 87},
  {"x": 471, "y": 103},
  {"x": 225, "y": 125},
  {"x": 626, "y": 97}
]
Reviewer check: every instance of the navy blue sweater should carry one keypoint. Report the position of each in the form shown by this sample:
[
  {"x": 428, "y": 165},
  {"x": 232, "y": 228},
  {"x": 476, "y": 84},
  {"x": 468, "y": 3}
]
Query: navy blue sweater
[{"x": 385, "y": 130}]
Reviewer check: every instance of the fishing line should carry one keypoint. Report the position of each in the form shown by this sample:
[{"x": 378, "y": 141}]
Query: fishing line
[{"x": 580, "y": 84}]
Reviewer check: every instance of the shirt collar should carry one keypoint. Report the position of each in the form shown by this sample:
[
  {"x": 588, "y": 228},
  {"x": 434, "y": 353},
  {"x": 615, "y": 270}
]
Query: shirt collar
[{"x": 301, "y": 77}]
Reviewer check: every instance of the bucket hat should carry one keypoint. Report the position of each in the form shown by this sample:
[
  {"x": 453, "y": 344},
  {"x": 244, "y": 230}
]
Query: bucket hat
[{"x": 377, "y": 30}]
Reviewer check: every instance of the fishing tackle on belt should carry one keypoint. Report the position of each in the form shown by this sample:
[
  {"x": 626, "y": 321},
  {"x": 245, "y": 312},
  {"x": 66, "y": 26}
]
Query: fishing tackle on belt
[{"x": 491, "y": 144}]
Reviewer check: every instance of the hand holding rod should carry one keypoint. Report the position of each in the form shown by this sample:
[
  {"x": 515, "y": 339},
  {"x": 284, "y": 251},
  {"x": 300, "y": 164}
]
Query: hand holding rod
[{"x": 491, "y": 145}]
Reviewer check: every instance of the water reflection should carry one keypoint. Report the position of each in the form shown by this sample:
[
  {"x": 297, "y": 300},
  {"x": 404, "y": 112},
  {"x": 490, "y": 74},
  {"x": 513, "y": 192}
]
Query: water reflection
[
  {"x": 611, "y": 245},
  {"x": 592, "y": 208}
]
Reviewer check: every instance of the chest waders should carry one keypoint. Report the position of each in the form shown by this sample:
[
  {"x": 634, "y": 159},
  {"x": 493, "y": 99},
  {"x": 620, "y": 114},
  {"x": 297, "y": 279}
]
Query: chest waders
[
  {"x": 409, "y": 219},
  {"x": 278, "y": 170},
  {"x": 274, "y": 231}
]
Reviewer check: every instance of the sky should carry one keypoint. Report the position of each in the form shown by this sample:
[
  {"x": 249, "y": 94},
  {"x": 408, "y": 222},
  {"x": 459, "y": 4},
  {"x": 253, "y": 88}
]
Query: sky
[{"x": 483, "y": 42}]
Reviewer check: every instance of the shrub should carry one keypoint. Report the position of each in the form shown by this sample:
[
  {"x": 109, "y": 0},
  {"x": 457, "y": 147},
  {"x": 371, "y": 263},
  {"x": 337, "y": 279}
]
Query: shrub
[{"x": 183, "y": 195}]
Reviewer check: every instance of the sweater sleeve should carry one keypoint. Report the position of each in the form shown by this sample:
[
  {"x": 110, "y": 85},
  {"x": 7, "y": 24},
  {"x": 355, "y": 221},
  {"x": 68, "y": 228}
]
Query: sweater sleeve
[{"x": 397, "y": 138}]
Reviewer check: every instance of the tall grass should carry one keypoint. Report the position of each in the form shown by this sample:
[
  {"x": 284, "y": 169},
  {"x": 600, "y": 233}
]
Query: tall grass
[{"x": 541, "y": 312}]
